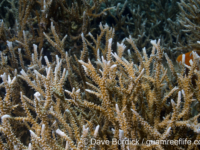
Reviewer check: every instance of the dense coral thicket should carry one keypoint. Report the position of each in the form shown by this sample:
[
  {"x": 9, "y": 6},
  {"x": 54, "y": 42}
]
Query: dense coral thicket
[
  {"x": 71, "y": 102},
  {"x": 189, "y": 20},
  {"x": 142, "y": 20},
  {"x": 84, "y": 74}
]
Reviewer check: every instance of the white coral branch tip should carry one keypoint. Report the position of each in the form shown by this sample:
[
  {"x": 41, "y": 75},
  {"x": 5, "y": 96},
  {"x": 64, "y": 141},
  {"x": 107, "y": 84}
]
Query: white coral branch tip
[
  {"x": 29, "y": 146},
  {"x": 4, "y": 78},
  {"x": 168, "y": 130},
  {"x": 179, "y": 98},
  {"x": 117, "y": 109},
  {"x": 4, "y": 117},
  {"x": 23, "y": 73},
  {"x": 9, "y": 45},
  {"x": 33, "y": 134},
  {"x": 61, "y": 133},
  {"x": 113, "y": 66},
  {"x": 96, "y": 131},
  {"x": 43, "y": 129},
  {"x": 85, "y": 131},
  {"x": 35, "y": 47},
  {"x": 110, "y": 42},
  {"x": 66, "y": 145},
  {"x": 121, "y": 134},
  {"x": 48, "y": 72},
  {"x": 37, "y": 95}
]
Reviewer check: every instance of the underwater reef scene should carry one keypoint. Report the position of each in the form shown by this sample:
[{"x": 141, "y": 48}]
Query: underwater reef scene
[{"x": 99, "y": 74}]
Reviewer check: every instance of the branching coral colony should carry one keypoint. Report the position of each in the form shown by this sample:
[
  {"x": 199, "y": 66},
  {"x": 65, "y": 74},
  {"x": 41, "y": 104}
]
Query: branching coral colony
[{"x": 108, "y": 98}]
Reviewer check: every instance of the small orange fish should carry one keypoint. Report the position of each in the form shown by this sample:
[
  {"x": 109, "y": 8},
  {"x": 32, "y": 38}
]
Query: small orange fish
[{"x": 187, "y": 56}]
